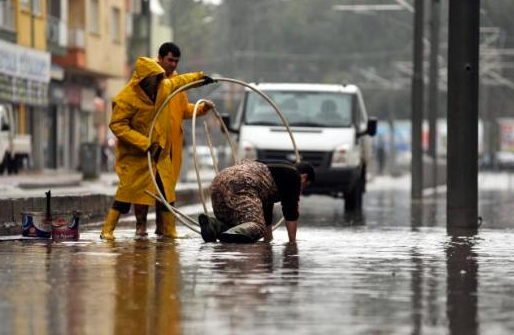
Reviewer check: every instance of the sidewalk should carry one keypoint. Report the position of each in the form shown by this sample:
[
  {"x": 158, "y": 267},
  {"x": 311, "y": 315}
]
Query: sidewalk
[{"x": 26, "y": 192}]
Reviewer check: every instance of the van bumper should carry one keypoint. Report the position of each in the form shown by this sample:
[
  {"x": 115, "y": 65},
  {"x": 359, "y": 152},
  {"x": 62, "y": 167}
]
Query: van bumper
[{"x": 334, "y": 182}]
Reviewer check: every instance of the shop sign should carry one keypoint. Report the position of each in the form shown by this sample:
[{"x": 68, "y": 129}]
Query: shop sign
[{"x": 25, "y": 63}]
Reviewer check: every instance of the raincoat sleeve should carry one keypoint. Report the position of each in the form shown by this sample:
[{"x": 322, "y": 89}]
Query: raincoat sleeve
[
  {"x": 120, "y": 126},
  {"x": 169, "y": 85}
]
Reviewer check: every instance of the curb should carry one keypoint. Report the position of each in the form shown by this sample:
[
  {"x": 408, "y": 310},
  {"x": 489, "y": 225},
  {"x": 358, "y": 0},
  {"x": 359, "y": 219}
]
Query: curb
[{"x": 94, "y": 207}]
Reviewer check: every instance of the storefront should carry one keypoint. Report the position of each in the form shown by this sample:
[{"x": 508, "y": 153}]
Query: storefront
[{"x": 24, "y": 84}]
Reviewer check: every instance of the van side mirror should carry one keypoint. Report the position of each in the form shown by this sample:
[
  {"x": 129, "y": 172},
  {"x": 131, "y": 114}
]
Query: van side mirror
[
  {"x": 225, "y": 117},
  {"x": 371, "y": 130},
  {"x": 5, "y": 127}
]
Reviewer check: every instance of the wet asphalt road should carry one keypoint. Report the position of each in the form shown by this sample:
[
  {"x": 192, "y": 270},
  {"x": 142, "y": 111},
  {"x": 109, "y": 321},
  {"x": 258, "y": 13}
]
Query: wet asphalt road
[{"x": 390, "y": 270}]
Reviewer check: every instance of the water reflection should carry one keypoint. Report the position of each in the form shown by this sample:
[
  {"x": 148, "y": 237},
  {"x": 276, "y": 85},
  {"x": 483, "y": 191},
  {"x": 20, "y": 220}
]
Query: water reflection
[
  {"x": 354, "y": 218},
  {"x": 462, "y": 283},
  {"x": 147, "y": 283},
  {"x": 417, "y": 292},
  {"x": 291, "y": 263}
]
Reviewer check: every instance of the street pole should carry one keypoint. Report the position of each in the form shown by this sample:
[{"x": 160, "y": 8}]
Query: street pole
[
  {"x": 417, "y": 104},
  {"x": 433, "y": 91},
  {"x": 463, "y": 70}
]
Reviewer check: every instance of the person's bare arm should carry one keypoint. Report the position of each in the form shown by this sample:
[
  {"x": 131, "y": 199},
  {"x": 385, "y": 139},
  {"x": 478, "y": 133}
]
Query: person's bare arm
[{"x": 291, "y": 230}]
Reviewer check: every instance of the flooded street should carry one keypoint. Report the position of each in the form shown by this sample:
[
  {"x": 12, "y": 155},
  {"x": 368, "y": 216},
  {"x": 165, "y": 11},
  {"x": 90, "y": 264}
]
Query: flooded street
[{"x": 391, "y": 270}]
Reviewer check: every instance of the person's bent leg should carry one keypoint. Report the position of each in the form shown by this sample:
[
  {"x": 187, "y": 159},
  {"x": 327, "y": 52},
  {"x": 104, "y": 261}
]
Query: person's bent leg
[
  {"x": 118, "y": 208},
  {"x": 248, "y": 232},
  {"x": 141, "y": 212},
  {"x": 158, "y": 221},
  {"x": 211, "y": 228},
  {"x": 249, "y": 217}
]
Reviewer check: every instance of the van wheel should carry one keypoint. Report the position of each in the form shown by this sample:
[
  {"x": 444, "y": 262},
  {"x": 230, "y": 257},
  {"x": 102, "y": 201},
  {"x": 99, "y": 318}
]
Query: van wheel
[
  {"x": 11, "y": 164},
  {"x": 353, "y": 200}
]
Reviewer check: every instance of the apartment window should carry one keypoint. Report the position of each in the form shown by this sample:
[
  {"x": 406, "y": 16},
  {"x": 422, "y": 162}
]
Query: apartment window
[
  {"x": 115, "y": 25},
  {"x": 95, "y": 17},
  {"x": 36, "y": 6},
  {"x": 7, "y": 15}
]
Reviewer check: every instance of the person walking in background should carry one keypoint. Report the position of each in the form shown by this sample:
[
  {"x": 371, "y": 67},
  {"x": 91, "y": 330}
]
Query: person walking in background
[
  {"x": 381, "y": 155},
  {"x": 243, "y": 196},
  {"x": 177, "y": 110},
  {"x": 133, "y": 111}
]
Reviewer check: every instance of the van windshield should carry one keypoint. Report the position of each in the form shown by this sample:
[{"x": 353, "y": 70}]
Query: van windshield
[{"x": 307, "y": 109}]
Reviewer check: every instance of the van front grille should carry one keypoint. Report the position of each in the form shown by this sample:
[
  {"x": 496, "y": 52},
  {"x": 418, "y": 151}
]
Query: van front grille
[{"x": 317, "y": 159}]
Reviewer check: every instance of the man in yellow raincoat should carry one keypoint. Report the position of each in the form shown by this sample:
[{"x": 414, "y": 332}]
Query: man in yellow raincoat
[
  {"x": 178, "y": 109},
  {"x": 134, "y": 109}
]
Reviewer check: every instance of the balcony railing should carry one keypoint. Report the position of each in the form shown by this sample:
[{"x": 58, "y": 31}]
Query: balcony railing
[
  {"x": 56, "y": 31},
  {"x": 76, "y": 38},
  {"x": 7, "y": 15}
]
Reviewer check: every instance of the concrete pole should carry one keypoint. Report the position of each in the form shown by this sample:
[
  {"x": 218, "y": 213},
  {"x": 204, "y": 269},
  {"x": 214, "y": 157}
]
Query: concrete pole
[
  {"x": 417, "y": 103},
  {"x": 463, "y": 49},
  {"x": 433, "y": 90}
]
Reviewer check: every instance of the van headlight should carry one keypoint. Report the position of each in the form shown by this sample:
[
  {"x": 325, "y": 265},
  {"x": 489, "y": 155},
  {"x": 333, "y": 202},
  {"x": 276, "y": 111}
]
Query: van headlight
[
  {"x": 247, "y": 150},
  {"x": 340, "y": 156}
]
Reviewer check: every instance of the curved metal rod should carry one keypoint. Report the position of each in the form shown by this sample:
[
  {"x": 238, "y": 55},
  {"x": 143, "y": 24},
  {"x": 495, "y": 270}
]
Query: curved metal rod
[
  {"x": 277, "y": 110},
  {"x": 194, "y": 84},
  {"x": 149, "y": 154},
  {"x": 225, "y": 130},
  {"x": 195, "y": 159},
  {"x": 177, "y": 213},
  {"x": 211, "y": 148},
  {"x": 275, "y": 107},
  {"x": 276, "y": 225}
]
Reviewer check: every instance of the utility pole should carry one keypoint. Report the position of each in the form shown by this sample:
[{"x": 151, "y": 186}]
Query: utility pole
[
  {"x": 463, "y": 71},
  {"x": 433, "y": 90},
  {"x": 417, "y": 103}
]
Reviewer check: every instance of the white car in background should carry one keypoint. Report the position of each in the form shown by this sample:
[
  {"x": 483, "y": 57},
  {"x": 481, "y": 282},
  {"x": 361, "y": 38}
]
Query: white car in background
[
  {"x": 505, "y": 160},
  {"x": 14, "y": 148}
]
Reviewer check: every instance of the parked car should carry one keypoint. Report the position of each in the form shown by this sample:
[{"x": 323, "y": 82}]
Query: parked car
[
  {"x": 505, "y": 160},
  {"x": 330, "y": 126},
  {"x": 13, "y": 147}
]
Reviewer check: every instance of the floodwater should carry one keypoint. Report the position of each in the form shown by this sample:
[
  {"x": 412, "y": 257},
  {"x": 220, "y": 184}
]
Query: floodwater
[{"x": 390, "y": 270}]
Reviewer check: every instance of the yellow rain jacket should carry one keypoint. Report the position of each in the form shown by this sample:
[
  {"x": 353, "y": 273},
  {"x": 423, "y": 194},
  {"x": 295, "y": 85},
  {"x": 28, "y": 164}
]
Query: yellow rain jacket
[
  {"x": 131, "y": 119},
  {"x": 179, "y": 109}
]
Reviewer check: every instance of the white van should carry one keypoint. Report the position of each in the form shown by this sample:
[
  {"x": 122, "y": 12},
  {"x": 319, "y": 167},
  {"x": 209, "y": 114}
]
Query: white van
[
  {"x": 14, "y": 148},
  {"x": 330, "y": 126}
]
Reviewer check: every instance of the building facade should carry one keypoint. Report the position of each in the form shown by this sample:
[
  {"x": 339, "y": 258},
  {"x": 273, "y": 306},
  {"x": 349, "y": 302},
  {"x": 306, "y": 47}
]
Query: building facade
[{"x": 61, "y": 61}]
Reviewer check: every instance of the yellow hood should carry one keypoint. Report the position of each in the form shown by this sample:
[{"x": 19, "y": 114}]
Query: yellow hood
[{"x": 145, "y": 67}]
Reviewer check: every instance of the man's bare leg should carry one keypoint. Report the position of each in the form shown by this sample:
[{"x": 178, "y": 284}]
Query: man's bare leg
[
  {"x": 158, "y": 221},
  {"x": 141, "y": 211}
]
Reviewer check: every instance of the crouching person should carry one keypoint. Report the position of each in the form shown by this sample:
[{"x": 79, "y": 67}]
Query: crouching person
[{"x": 243, "y": 196}]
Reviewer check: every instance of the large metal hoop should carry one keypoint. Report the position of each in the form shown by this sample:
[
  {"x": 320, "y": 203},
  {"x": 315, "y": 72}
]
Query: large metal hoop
[
  {"x": 165, "y": 103},
  {"x": 193, "y": 134}
]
